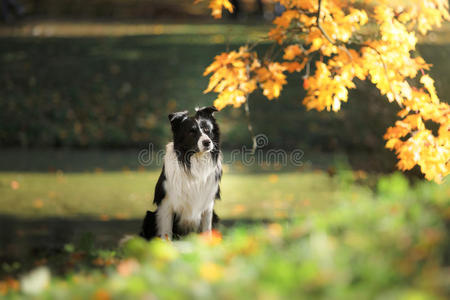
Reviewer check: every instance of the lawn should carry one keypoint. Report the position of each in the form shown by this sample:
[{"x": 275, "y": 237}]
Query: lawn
[
  {"x": 44, "y": 210},
  {"x": 105, "y": 184},
  {"x": 127, "y": 194}
]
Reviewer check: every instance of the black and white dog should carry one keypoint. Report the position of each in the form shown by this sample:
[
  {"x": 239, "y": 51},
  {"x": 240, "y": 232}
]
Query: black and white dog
[{"x": 189, "y": 182}]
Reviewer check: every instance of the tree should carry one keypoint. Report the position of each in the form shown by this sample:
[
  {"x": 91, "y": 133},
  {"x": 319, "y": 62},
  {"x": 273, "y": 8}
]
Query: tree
[{"x": 371, "y": 40}]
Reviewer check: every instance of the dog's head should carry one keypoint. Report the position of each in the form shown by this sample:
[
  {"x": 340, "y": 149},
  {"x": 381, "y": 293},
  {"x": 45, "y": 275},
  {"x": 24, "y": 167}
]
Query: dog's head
[{"x": 195, "y": 134}]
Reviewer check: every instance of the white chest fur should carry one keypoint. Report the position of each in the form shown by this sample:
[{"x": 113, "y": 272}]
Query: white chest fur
[{"x": 190, "y": 194}]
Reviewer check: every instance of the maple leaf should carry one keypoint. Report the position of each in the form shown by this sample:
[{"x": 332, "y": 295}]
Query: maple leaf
[
  {"x": 294, "y": 66},
  {"x": 272, "y": 79},
  {"x": 384, "y": 53},
  {"x": 429, "y": 85},
  {"x": 292, "y": 51}
]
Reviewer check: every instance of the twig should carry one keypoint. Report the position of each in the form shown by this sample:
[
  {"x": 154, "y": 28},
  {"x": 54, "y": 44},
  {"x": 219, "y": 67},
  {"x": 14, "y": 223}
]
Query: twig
[
  {"x": 320, "y": 26},
  {"x": 249, "y": 125},
  {"x": 327, "y": 37},
  {"x": 385, "y": 71},
  {"x": 249, "y": 122},
  {"x": 381, "y": 58},
  {"x": 307, "y": 70},
  {"x": 269, "y": 52}
]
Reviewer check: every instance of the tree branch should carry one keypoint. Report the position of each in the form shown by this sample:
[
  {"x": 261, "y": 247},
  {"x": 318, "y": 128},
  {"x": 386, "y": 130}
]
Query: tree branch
[
  {"x": 249, "y": 125},
  {"x": 319, "y": 26},
  {"x": 385, "y": 71},
  {"x": 249, "y": 122},
  {"x": 348, "y": 52},
  {"x": 336, "y": 43}
]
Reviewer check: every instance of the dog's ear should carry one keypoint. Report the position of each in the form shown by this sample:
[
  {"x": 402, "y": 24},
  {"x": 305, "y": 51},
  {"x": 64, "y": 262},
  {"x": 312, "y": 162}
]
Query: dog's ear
[
  {"x": 176, "y": 117},
  {"x": 206, "y": 111}
]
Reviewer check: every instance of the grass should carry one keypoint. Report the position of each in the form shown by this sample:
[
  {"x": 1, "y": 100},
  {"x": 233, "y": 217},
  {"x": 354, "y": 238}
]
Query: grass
[
  {"x": 66, "y": 183},
  {"x": 244, "y": 32},
  {"x": 127, "y": 194},
  {"x": 44, "y": 208},
  {"x": 205, "y": 33}
]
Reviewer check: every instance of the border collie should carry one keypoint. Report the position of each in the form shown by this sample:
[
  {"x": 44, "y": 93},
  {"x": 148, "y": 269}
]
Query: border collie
[{"x": 189, "y": 182}]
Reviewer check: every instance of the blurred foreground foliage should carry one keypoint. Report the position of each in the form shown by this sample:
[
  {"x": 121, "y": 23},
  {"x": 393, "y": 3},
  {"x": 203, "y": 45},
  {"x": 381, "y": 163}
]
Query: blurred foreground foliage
[{"x": 391, "y": 244}]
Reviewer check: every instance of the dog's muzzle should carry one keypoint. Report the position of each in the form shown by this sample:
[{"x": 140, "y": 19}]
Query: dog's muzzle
[{"x": 205, "y": 144}]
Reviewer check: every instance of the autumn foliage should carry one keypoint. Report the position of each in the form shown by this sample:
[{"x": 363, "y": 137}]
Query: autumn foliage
[{"x": 340, "y": 41}]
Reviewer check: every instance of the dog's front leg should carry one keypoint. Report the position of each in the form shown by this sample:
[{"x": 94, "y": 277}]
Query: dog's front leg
[
  {"x": 164, "y": 220},
  {"x": 206, "y": 223}
]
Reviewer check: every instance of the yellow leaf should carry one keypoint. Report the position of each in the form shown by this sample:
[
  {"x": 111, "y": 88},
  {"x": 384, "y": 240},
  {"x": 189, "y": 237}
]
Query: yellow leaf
[
  {"x": 273, "y": 178},
  {"x": 385, "y": 53},
  {"x": 292, "y": 51}
]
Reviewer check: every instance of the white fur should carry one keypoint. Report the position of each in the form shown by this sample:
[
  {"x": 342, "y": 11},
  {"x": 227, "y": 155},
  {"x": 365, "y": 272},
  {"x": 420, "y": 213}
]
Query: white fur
[
  {"x": 204, "y": 137},
  {"x": 188, "y": 194},
  {"x": 200, "y": 145}
]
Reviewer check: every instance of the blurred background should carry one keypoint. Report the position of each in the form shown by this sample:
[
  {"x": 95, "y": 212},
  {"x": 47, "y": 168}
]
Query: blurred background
[
  {"x": 105, "y": 75},
  {"x": 87, "y": 85}
]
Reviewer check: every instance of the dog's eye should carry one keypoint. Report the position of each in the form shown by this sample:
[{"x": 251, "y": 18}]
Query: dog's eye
[{"x": 206, "y": 130}]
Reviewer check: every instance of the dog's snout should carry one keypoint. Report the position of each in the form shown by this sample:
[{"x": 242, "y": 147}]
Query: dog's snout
[{"x": 206, "y": 143}]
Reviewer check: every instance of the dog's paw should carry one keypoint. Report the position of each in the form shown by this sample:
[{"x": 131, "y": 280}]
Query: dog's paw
[{"x": 166, "y": 237}]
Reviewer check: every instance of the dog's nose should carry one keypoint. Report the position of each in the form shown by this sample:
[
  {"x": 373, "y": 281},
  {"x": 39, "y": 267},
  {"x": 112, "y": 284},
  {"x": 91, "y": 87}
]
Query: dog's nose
[{"x": 206, "y": 143}]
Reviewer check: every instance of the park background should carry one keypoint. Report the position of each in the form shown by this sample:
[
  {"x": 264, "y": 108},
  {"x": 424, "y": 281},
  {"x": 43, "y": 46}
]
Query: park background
[{"x": 88, "y": 85}]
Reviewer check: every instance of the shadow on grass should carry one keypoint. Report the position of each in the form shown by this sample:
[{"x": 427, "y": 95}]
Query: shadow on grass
[{"x": 30, "y": 242}]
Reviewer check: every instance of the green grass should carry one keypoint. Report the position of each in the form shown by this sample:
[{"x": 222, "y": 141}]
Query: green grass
[
  {"x": 44, "y": 211},
  {"x": 127, "y": 194}
]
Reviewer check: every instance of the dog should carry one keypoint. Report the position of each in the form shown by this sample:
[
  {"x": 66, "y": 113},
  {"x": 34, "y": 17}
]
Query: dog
[{"x": 189, "y": 183}]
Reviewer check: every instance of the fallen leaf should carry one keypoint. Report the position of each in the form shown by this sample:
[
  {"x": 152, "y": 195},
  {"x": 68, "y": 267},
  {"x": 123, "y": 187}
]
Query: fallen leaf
[
  {"x": 15, "y": 185},
  {"x": 38, "y": 203},
  {"x": 273, "y": 178}
]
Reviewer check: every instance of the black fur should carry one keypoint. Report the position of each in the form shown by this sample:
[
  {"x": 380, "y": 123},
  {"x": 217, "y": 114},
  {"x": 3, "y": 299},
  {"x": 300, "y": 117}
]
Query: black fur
[
  {"x": 218, "y": 193},
  {"x": 160, "y": 192},
  {"x": 208, "y": 113},
  {"x": 149, "y": 229},
  {"x": 186, "y": 133}
]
